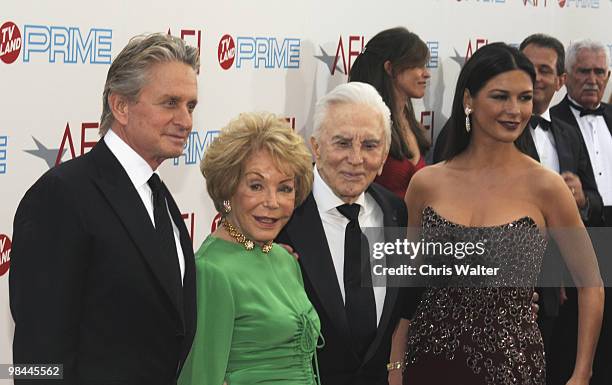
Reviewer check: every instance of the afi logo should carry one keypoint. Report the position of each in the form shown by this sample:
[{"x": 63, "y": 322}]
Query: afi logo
[
  {"x": 189, "y": 219},
  {"x": 354, "y": 47},
  {"x": 291, "y": 121},
  {"x": 67, "y": 139},
  {"x": 192, "y": 37},
  {"x": 471, "y": 48},
  {"x": 10, "y": 42},
  {"x": 536, "y": 3}
]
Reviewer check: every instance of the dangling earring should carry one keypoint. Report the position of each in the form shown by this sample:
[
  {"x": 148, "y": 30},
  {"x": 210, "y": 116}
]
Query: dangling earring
[
  {"x": 468, "y": 124},
  {"x": 227, "y": 206}
]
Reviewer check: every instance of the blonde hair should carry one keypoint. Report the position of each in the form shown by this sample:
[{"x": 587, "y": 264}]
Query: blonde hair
[{"x": 249, "y": 132}]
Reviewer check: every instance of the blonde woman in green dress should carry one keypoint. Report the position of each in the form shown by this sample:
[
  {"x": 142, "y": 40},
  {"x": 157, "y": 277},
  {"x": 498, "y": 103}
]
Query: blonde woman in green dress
[{"x": 255, "y": 323}]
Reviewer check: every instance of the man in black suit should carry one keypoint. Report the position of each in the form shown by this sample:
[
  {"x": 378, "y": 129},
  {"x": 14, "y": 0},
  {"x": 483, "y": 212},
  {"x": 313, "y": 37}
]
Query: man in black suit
[
  {"x": 350, "y": 141},
  {"x": 557, "y": 146},
  {"x": 582, "y": 109},
  {"x": 102, "y": 268}
]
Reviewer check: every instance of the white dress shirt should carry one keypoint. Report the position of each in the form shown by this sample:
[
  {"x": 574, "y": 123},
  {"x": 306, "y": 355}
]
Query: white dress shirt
[
  {"x": 598, "y": 141},
  {"x": 334, "y": 224},
  {"x": 545, "y": 145},
  {"x": 139, "y": 172}
]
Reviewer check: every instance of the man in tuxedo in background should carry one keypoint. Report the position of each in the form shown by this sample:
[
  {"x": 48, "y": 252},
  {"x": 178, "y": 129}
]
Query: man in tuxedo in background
[
  {"x": 588, "y": 74},
  {"x": 102, "y": 267},
  {"x": 350, "y": 141},
  {"x": 557, "y": 146}
]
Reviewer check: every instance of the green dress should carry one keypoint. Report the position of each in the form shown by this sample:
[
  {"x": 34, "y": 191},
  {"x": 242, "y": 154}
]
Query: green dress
[{"x": 256, "y": 324}]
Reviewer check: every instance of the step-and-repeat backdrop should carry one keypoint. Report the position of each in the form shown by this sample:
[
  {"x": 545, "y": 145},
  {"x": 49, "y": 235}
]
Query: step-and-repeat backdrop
[{"x": 273, "y": 55}]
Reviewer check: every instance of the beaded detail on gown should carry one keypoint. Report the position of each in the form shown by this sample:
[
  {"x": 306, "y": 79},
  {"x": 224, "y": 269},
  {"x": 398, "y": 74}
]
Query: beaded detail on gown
[{"x": 480, "y": 330}]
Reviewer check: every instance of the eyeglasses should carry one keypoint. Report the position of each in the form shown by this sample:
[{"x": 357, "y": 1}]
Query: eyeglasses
[{"x": 599, "y": 72}]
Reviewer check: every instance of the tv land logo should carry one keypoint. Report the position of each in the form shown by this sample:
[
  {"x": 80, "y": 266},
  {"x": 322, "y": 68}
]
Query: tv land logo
[
  {"x": 259, "y": 52},
  {"x": 10, "y": 42},
  {"x": 3, "y": 148},
  {"x": 53, "y": 44},
  {"x": 192, "y": 37},
  {"x": 5, "y": 254},
  {"x": 197, "y": 143}
]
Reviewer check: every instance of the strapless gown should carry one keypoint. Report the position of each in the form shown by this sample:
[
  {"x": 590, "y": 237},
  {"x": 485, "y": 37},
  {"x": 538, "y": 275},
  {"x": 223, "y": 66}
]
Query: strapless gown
[{"x": 471, "y": 330}]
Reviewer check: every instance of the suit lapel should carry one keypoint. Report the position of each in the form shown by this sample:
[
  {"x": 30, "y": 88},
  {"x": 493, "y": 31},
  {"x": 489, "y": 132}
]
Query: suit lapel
[
  {"x": 390, "y": 220},
  {"x": 306, "y": 234},
  {"x": 116, "y": 186},
  {"x": 608, "y": 116},
  {"x": 566, "y": 159},
  {"x": 530, "y": 147}
]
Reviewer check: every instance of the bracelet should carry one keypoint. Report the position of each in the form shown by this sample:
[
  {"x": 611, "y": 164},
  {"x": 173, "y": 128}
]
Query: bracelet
[{"x": 394, "y": 365}]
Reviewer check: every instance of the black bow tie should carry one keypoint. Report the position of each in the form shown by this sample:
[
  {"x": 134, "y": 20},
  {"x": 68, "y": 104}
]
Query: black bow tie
[
  {"x": 587, "y": 111},
  {"x": 538, "y": 120}
]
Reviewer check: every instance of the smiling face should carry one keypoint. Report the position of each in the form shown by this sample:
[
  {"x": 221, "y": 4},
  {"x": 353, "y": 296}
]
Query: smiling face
[
  {"x": 502, "y": 108},
  {"x": 351, "y": 149},
  {"x": 264, "y": 199},
  {"x": 587, "y": 80},
  {"x": 411, "y": 82},
  {"x": 158, "y": 123},
  {"x": 547, "y": 80}
]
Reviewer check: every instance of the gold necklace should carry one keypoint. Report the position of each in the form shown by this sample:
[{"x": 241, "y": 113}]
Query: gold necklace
[{"x": 246, "y": 242}]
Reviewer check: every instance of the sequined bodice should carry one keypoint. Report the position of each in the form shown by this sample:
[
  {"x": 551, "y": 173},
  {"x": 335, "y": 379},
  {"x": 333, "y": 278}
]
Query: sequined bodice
[{"x": 486, "y": 322}]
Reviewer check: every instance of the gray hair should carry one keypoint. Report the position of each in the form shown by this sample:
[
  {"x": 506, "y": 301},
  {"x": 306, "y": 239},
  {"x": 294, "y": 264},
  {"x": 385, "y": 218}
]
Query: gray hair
[
  {"x": 575, "y": 47},
  {"x": 352, "y": 93},
  {"x": 129, "y": 71}
]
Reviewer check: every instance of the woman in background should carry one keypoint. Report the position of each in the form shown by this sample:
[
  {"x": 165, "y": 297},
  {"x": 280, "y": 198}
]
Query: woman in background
[
  {"x": 394, "y": 62},
  {"x": 255, "y": 323}
]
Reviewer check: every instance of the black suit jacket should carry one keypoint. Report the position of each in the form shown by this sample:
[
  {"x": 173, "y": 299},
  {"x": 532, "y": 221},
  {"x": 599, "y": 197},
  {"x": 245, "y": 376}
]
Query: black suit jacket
[
  {"x": 89, "y": 288},
  {"x": 338, "y": 362},
  {"x": 573, "y": 157}
]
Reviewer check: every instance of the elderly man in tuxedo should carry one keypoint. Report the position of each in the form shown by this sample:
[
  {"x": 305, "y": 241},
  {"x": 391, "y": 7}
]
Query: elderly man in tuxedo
[
  {"x": 102, "y": 267},
  {"x": 350, "y": 141},
  {"x": 582, "y": 108}
]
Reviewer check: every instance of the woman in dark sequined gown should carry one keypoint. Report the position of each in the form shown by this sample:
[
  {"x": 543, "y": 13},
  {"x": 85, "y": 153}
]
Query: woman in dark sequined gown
[{"x": 480, "y": 329}]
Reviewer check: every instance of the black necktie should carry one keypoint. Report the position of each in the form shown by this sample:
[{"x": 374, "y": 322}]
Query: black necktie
[
  {"x": 538, "y": 120},
  {"x": 587, "y": 111},
  {"x": 163, "y": 227},
  {"x": 359, "y": 301}
]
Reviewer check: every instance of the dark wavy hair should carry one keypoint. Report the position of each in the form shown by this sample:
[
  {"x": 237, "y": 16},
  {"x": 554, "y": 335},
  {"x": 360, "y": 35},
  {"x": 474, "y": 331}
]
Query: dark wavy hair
[
  {"x": 486, "y": 63},
  {"x": 403, "y": 49}
]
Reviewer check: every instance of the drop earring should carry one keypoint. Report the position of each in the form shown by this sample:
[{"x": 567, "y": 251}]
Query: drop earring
[{"x": 468, "y": 124}]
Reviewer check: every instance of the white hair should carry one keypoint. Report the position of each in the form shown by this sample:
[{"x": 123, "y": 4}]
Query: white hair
[
  {"x": 352, "y": 93},
  {"x": 575, "y": 47}
]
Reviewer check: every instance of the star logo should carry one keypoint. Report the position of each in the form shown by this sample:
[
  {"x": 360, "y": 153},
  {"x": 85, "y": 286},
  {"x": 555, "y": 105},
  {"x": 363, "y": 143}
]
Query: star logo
[
  {"x": 329, "y": 61},
  {"x": 49, "y": 155},
  {"x": 458, "y": 58}
]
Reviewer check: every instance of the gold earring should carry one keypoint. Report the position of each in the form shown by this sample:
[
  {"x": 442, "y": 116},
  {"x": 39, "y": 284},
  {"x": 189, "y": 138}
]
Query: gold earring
[{"x": 227, "y": 206}]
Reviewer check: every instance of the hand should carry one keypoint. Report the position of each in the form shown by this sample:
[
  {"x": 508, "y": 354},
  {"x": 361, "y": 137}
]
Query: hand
[
  {"x": 535, "y": 308},
  {"x": 575, "y": 186},
  {"x": 578, "y": 381},
  {"x": 289, "y": 250},
  {"x": 562, "y": 295},
  {"x": 395, "y": 377}
]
